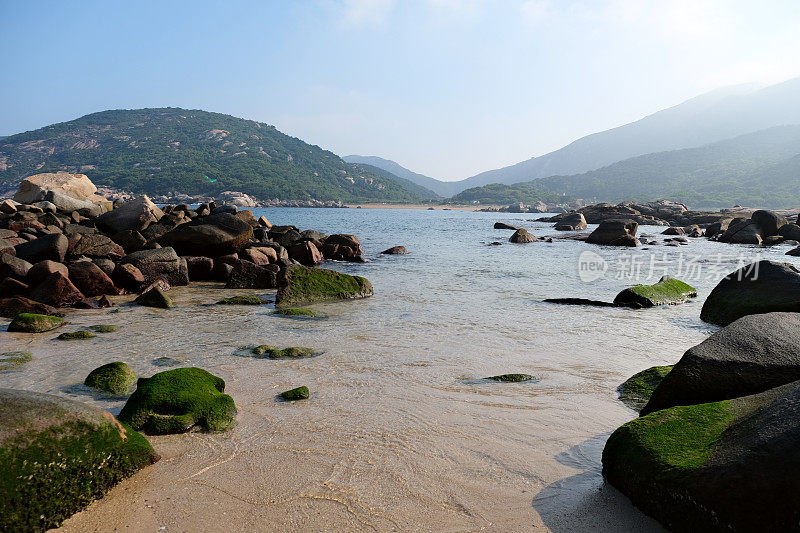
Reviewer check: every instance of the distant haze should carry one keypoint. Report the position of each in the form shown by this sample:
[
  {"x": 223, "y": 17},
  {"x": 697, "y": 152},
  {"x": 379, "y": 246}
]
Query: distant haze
[{"x": 446, "y": 88}]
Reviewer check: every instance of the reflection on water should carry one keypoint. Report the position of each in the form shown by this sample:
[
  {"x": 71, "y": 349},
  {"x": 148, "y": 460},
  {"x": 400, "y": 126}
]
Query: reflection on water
[{"x": 397, "y": 432}]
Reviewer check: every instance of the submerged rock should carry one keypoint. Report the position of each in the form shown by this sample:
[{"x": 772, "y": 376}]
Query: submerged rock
[
  {"x": 114, "y": 378},
  {"x": 761, "y": 287},
  {"x": 579, "y": 301},
  {"x": 241, "y": 300},
  {"x": 33, "y": 323},
  {"x": 57, "y": 456},
  {"x": 12, "y": 360},
  {"x": 512, "y": 378},
  {"x": 667, "y": 291},
  {"x": 154, "y": 297},
  {"x": 177, "y": 400},
  {"x": 731, "y": 465},
  {"x": 104, "y": 328},
  {"x": 273, "y": 352},
  {"x": 298, "y": 311},
  {"x": 395, "y": 250},
  {"x": 300, "y": 286},
  {"x": 636, "y": 391},
  {"x": 76, "y": 335},
  {"x": 299, "y": 393},
  {"x": 751, "y": 355}
]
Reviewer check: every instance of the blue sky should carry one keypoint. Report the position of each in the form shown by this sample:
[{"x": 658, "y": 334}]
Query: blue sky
[{"x": 448, "y": 88}]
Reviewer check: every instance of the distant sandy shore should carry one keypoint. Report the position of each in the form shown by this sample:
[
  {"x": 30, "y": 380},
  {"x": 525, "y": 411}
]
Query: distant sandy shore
[{"x": 418, "y": 206}]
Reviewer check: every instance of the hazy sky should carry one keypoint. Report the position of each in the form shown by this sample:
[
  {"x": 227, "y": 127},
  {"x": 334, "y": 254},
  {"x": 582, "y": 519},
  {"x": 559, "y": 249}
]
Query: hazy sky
[{"x": 447, "y": 88}]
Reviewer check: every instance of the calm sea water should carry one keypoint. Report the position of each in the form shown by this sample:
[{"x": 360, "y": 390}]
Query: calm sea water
[{"x": 400, "y": 432}]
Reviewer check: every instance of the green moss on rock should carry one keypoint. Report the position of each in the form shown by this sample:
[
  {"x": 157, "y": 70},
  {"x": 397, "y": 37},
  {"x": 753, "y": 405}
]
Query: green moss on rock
[
  {"x": 104, "y": 328},
  {"x": 76, "y": 335},
  {"x": 155, "y": 297},
  {"x": 512, "y": 378},
  {"x": 241, "y": 300},
  {"x": 33, "y": 323},
  {"x": 299, "y": 393},
  {"x": 301, "y": 286},
  {"x": 667, "y": 291},
  {"x": 12, "y": 360},
  {"x": 298, "y": 311},
  {"x": 57, "y": 456},
  {"x": 273, "y": 352},
  {"x": 636, "y": 391},
  {"x": 114, "y": 378},
  {"x": 176, "y": 400}
]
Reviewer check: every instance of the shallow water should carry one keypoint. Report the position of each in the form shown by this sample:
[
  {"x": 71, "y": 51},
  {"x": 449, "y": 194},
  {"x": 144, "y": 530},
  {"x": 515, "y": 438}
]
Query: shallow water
[{"x": 400, "y": 432}]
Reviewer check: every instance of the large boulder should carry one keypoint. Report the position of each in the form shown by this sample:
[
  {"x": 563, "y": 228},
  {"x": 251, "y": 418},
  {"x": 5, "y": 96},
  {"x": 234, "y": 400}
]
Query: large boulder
[
  {"x": 115, "y": 378},
  {"x": 33, "y": 323},
  {"x": 57, "y": 290},
  {"x": 790, "y": 231},
  {"x": 299, "y": 286},
  {"x": 34, "y": 188},
  {"x": 667, "y": 291},
  {"x": 96, "y": 245},
  {"x": 11, "y": 307},
  {"x": 305, "y": 253},
  {"x": 768, "y": 221},
  {"x": 177, "y": 400},
  {"x": 522, "y": 236},
  {"x": 128, "y": 277},
  {"x": 57, "y": 456},
  {"x": 342, "y": 248},
  {"x": 134, "y": 215},
  {"x": 211, "y": 236},
  {"x": 159, "y": 263},
  {"x": 751, "y": 355},
  {"x": 247, "y": 275},
  {"x": 41, "y": 270},
  {"x": 732, "y": 465},
  {"x": 742, "y": 231},
  {"x": 53, "y": 247},
  {"x": 571, "y": 222},
  {"x": 12, "y": 266},
  {"x": 615, "y": 233},
  {"x": 636, "y": 391},
  {"x": 154, "y": 297},
  {"x": 68, "y": 204},
  {"x": 90, "y": 279},
  {"x": 761, "y": 287}
]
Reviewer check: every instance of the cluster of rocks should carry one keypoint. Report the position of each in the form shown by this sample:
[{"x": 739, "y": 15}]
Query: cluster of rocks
[
  {"x": 538, "y": 207},
  {"x": 240, "y": 199},
  {"x": 61, "y": 247},
  {"x": 715, "y": 446}
]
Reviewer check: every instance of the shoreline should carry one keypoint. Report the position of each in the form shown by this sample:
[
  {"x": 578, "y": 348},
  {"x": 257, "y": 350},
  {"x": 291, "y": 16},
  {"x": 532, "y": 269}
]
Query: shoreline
[{"x": 424, "y": 207}]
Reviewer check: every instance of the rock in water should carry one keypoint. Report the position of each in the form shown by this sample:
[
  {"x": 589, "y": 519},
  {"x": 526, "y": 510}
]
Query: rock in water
[
  {"x": 242, "y": 300},
  {"x": 342, "y": 248},
  {"x": 57, "y": 455},
  {"x": 11, "y": 307},
  {"x": 751, "y": 355},
  {"x": 177, "y": 400},
  {"x": 571, "y": 222},
  {"x": 761, "y": 287},
  {"x": 13, "y": 360},
  {"x": 299, "y": 286},
  {"x": 667, "y": 291},
  {"x": 512, "y": 378},
  {"x": 615, "y": 233},
  {"x": 768, "y": 221},
  {"x": 114, "y": 378},
  {"x": 299, "y": 393},
  {"x": 32, "y": 323},
  {"x": 76, "y": 335},
  {"x": 522, "y": 236},
  {"x": 211, "y": 236},
  {"x": 395, "y": 250},
  {"x": 503, "y": 225},
  {"x": 732, "y": 465},
  {"x": 154, "y": 297},
  {"x": 637, "y": 390}
]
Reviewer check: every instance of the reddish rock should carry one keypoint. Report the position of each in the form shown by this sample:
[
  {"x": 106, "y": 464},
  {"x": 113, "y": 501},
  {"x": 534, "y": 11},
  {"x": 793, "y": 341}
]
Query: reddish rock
[
  {"x": 12, "y": 287},
  {"x": 343, "y": 248},
  {"x": 105, "y": 302},
  {"x": 57, "y": 290},
  {"x": 221, "y": 271},
  {"x": 305, "y": 253},
  {"x": 160, "y": 284},
  {"x": 255, "y": 256},
  {"x": 11, "y": 307},
  {"x": 130, "y": 240},
  {"x": 246, "y": 275},
  {"x": 128, "y": 277},
  {"x": 200, "y": 268},
  {"x": 39, "y": 272},
  {"x": 90, "y": 279},
  {"x": 96, "y": 245},
  {"x": 13, "y": 267}
]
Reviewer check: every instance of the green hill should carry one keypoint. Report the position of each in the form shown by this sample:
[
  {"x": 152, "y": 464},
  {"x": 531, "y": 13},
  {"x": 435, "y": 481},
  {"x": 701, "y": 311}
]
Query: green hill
[
  {"x": 158, "y": 151},
  {"x": 419, "y": 190},
  {"x": 758, "y": 169}
]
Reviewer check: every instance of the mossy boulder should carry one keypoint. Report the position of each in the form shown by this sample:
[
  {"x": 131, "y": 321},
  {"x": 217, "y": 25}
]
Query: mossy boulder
[
  {"x": 12, "y": 360},
  {"x": 635, "y": 392},
  {"x": 57, "y": 456},
  {"x": 751, "y": 355},
  {"x": 299, "y": 286},
  {"x": 273, "y": 352},
  {"x": 299, "y": 311},
  {"x": 511, "y": 378},
  {"x": 33, "y": 323},
  {"x": 104, "y": 328},
  {"x": 732, "y": 465},
  {"x": 667, "y": 291},
  {"x": 762, "y": 287},
  {"x": 177, "y": 400},
  {"x": 114, "y": 378},
  {"x": 241, "y": 300},
  {"x": 299, "y": 393},
  {"x": 76, "y": 335},
  {"x": 155, "y": 297}
]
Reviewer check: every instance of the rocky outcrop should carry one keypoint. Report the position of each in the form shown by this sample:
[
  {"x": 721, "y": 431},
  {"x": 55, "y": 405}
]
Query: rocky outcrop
[
  {"x": 761, "y": 287},
  {"x": 34, "y": 188},
  {"x": 522, "y": 236},
  {"x": 133, "y": 215},
  {"x": 615, "y": 233},
  {"x": 571, "y": 222},
  {"x": 212, "y": 236},
  {"x": 247, "y": 275},
  {"x": 753, "y": 354},
  {"x": 667, "y": 291},
  {"x": 342, "y": 248},
  {"x": 57, "y": 456}
]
